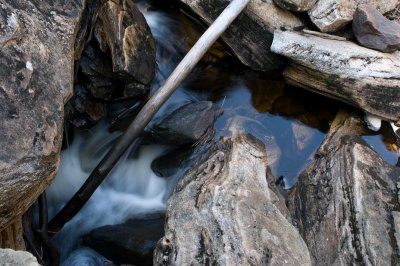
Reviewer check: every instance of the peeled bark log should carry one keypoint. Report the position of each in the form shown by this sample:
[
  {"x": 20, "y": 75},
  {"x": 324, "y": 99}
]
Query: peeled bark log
[
  {"x": 342, "y": 70},
  {"x": 344, "y": 200},
  {"x": 227, "y": 211}
]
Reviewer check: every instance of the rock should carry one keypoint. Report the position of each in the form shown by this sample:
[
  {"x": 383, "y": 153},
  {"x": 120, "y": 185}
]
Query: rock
[
  {"x": 17, "y": 258},
  {"x": 122, "y": 29},
  {"x": 302, "y": 134},
  {"x": 296, "y": 5},
  {"x": 226, "y": 211},
  {"x": 170, "y": 162},
  {"x": 342, "y": 70},
  {"x": 332, "y": 15},
  {"x": 344, "y": 200},
  {"x": 86, "y": 257},
  {"x": 12, "y": 236},
  {"x": 132, "y": 242},
  {"x": 187, "y": 124},
  {"x": 250, "y": 36},
  {"x": 374, "y": 31},
  {"x": 36, "y": 79}
]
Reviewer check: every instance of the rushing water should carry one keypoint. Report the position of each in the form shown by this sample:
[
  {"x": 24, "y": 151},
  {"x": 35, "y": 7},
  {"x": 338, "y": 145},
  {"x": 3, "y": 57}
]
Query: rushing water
[{"x": 290, "y": 122}]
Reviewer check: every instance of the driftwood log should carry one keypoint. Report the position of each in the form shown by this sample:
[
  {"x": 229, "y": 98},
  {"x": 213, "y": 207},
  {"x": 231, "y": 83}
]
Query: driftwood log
[
  {"x": 227, "y": 211},
  {"x": 345, "y": 201}
]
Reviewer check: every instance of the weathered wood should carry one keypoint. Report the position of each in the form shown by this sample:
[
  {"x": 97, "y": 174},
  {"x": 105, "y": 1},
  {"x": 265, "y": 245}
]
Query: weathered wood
[
  {"x": 226, "y": 211},
  {"x": 11, "y": 237},
  {"x": 144, "y": 116},
  {"x": 342, "y": 70},
  {"x": 344, "y": 200}
]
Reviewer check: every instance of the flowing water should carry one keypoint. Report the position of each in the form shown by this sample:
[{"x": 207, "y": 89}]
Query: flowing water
[{"x": 291, "y": 123}]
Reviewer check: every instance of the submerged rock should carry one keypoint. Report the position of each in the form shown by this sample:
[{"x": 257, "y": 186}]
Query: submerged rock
[
  {"x": 227, "y": 211},
  {"x": 296, "y": 5},
  {"x": 374, "y": 31},
  {"x": 344, "y": 200},
  {"x": 170, "y": 162},
  {"x": 250, "y": 36},
  {"x": 132, "y": 242},
  {"x": 340, "y": 69},
  {"x": 187, "y": 124},
  {"x": 36, "y": 79}
]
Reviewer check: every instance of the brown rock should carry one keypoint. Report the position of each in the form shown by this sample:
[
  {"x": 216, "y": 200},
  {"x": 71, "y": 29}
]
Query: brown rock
[
  {"x": 36, "y": 79},
  {"x": 374, "y": 31}
]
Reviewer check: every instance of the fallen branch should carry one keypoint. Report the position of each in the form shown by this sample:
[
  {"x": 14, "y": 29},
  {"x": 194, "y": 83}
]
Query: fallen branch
[{"x": 144, "y": 116}]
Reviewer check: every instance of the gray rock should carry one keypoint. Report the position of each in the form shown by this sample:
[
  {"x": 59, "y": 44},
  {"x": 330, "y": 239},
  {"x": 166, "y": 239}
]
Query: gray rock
[
  {"x": 170, "y": 162},
  {"x": 296, "y": 5},
  {"x": 374, "y": 31},
  {"x": 340, "y": 69},
  {"x": 250, "y": 36},
  {"x": 226, "y": 211},
  {"x": 332, "y": 15},
  {"x": 17, "y": 258},
  {"x": 187, "y": 124},
  {"x": 344, "y": 200},
  {"x": 36, "y": 79}
]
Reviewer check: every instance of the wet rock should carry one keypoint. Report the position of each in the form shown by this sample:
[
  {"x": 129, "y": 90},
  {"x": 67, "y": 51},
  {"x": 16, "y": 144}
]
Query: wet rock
[
  {"x": 342, "y": 70},
  {"x": 122, "y": 29},
  {"x": 226, "y": 211},
  {"x": 344, "y": 200},
  {"x": 132, "y": 242},
  {"x": 332, "y": 15},
  {"x": 170, "y": 162},
  {"x": 87, "y": 257},
  {"x": 36, "y": 79},
  {"x": 374, "y": 31},
  {"x": 187, "y": 124},
  {"x": 17, "y": 258},
  {"x": 250, "y": 36},
  {"x": 82, "y": 110},
  {"x": 296, "y": 5}
]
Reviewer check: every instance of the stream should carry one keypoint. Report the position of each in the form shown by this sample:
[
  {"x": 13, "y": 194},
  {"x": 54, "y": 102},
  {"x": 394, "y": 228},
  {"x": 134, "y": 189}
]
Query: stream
[{"x": 291, "y": 123}]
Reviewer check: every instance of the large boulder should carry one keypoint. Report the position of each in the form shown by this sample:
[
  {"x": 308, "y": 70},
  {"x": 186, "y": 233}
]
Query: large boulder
[
  {"x": 343, "y": 70},
  {"x": 250, "y": 35},
  {"x": 36, "y": 79},
  {"x": 344, "y": 200},
  {"x": 332, "y": 15},
  {"x": 226, "y": 211},
  {"x": 374, "y": 31}
]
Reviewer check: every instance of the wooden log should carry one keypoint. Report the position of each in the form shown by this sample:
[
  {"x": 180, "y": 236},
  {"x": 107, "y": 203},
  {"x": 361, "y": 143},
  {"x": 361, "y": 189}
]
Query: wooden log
[{"x": 145, "y": 115}]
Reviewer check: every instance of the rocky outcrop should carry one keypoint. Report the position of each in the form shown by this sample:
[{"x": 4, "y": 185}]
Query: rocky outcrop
[
  {"x": 332, "y": 15},
  {"x": 340, "y": 69},
  {"x": 374, "y": 31},
  {"x": 296, "y": 5},
  {"x": 227, "y": 211},
  {"x": 344, "y": 200},
  {"x": 250, "y": 36},
  {"x": 36, "y": 79},
  {"x": 17, "y": 258}
]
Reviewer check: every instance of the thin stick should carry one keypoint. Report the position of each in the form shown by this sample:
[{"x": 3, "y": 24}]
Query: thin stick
[{"x": 144, "y": 116}]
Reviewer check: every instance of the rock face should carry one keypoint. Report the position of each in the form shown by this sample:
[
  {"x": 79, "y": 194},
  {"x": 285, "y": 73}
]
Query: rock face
[
  {"x": 344, "y": 200},
  {"x": 374, "y": 31},
  {"x": 340, "y": 69},
  {"x": 250, "y": 35},
  {"x": 332, "y": 15},
  {"x": 17, "y": 258},
  {"x": 296, "y": 5},
  {"x": 36, "y": 79},
  {"x": 226, "y": 211}
]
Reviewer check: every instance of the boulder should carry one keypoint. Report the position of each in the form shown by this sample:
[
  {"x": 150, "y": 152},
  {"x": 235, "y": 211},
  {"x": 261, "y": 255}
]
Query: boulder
[
  {"x": 36, "y": 79},
  {"x": 344, "y": 200},
  {"x": 17, "y": 258},
  {"x": 132, "y": 242},
  {"x": 168, "y": 163},
  {"x": 249, "y": 37},
  {"x": 226, "y": 211},
  {"x": 374, "y": 31},
  {"x": 296, "y": 5},
  {"x": 187, "y": 124},
  {"x": 342, "y": 70},
  {"x": 332, "y": 15},
  {"x": 122, "y": 29}
]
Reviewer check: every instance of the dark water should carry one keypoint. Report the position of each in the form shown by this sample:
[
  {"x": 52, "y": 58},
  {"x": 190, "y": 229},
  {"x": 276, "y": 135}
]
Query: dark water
[{"x": 290, "y": 121}]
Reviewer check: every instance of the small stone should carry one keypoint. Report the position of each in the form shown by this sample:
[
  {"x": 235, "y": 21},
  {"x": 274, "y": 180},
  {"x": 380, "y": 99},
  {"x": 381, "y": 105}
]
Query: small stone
[
  {"x": 374, "y": 31},
  {"x": 296, "y": 5}
]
